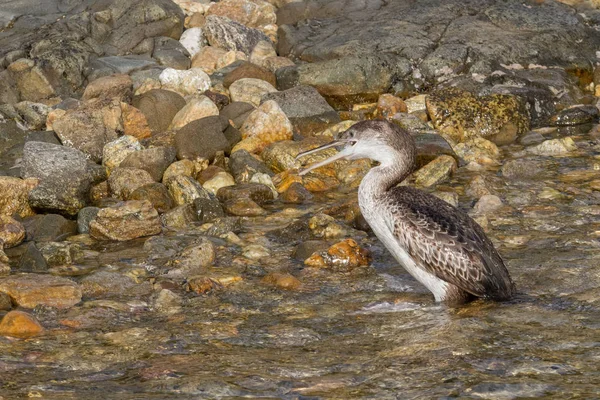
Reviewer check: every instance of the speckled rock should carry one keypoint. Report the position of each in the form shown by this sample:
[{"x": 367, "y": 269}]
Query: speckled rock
[
  {"x": 12, "y": 232},
  {"x": 117, "y": 85},
  {"x": 156, "y": 193},
  {"x": 523, "y": 168},
  {"x": 203, "y": 138},
  {"x": 388, "y": 105},
  {"x": 124, "y": 181},
  {"x": 192, "y": 81},
  {"x": 274, "y": 64},
  {"x": 182, "y": 167},
  {"x": 436, "y": 171},
  {"x": 459, "y": 115},
  {"x": 281, "y": 156},
  {"x": 243, "y": 207},
  {"x": 159, "y": 106},
  {"x": 575, "y": 115},
  {"x": 243, "y": 166},
  {"x": 31, "y": 290},
  {"x": 345, "y": 255},
  {"x": 265, "y": 125},
  {"x": 14, "y": 193},
  {"x": 249, "y": 70},
  {"x": 31, "y": 82},
  {"x": 116, "y": 151},
  {"x": 326, "y": 227},
  {"x": 257, "y": 192},
  {"x": 179, "y": 217},
  {"x": 194, "y": 259},
  {"x": 20, "y": 324},
  {"x": 84, "y": 217},
  {"x": 154, "y": 160},
  {"x": 554, "y": 147},
  {"x": 61, "y": 253},
  {"x": 252, "y": 13},
  {"x": 416, "y": 103},
  {"x": 125, "y": 221},
  {"x": 196, "y": 108},
  {"x": 479, "y": 150},
  {"x": 193, "y": 40},
  {"x": 207, "y": 210},
  {"x": 231, "y": 35},
  {"x": 250, "y": 90},
  {"x": 34, "y": 115},
  {"x": 221, "y": 179},
  {"x": 184, "y": 189}
]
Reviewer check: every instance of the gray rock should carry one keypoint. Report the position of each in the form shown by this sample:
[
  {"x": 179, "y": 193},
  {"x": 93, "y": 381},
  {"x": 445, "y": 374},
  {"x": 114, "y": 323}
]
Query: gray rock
[
  {"x": 224, "y": 225},
  {"x": 49, "y": 228},
  {"x": 243, "y": 166},
  {"x": 54, "y": 165},
  {"x": 230, "y": 35},
  {"x": 170, "y": 53},
  {"x": 237, "y": 112},
  {"x": 154, "y": 160},
  {"x": 430, "y": 146},
  {"x": 207, "y": 210},
  {"x": 202, "y": 138},
  {"x": 31, "y": 259},
  {"x": 524, "y": 169},
  {"x": 306, "y": 109},
  {"x": 576, "y": 115},
  {"x": 84, "y": 217},
  {"x": 159, "y": 106}
]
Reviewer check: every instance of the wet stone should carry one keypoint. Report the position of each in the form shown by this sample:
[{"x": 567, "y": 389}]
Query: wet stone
[
  {"x": 223, "y": 225},
  {"x": 306, "y": 248},
  {"x": 296, "y": 194},
  {"x": 430, "y": 146},
  {"x": 84, "y": 217},
  {"x": 193, "y": 260},
  {"x": 257, "y": 192},
  {"x": 449, "y": 197},
  {"x": 389, "y": 105},
  {"x": 523, "y": 168},
  {"x": 576, "y": 115},
  {"x": 479, "y": 150},
  {"x": 49, "y": 227},
  {"x": 243, "y": 166},
  {"x": 208, "y": 210},
  {"x": 243, "y": 207},
  {"x": 5, "y": 302},
  {"x": 345, "y": 255},
  {"x": 107, "y": 284},
  {"x": 326, "y": 227},
  {"x": 20, "y": 324},
  {"x": 125, "y": 221},
  {"x": 554, "y": 147},
  {"x": 168, "y": 302},
  {"x": 255, "y": 252},
  {"x": 61, "y": 253},
  {"x": 218, "y": 181},
  {"x": 179, "y": 217},
  {"x": 31, "y": 290},
  {"x": 156, "y": 193},
  {"x": 184, "y": 190},
  {"x": 183, "y": 167},
  {"x": 487, "y": 204},
  {"x": 29, "y": 258},
  {"x": 436, "y": 171},
  {"x": 282, "y": 281}
]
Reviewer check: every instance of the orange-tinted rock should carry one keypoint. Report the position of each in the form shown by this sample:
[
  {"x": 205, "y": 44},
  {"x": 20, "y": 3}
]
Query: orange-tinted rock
[
  {"x": 388, "y": 105},
  {"x": 134, "y": 122},
  {"x": 117, "y": 85},
  {"x": 30, "y": 290},
  {"x": 282, "y": 281},
  {"x": 14, "y": 194},
  {"x": 345, "y": 255},
  {"x": 20, "y": 325},
  {"x": 265, "y": 125},
  {"x": 125, "y": 221},
  {"x": 12, "y": 232}
]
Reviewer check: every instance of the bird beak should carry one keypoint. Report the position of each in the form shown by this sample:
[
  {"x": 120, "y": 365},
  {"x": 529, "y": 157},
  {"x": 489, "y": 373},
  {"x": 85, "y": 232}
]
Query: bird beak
[{"x": 346, "y": 151}]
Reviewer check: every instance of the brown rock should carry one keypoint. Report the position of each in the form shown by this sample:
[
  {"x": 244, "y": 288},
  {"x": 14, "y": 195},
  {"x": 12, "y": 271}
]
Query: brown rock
[
  {"x": 196, "y": 20},
  {"x": 296, "y": 194},
  {"x": 19, "y": 324},
  {"x": 123, "y": 181},
  {"x": 249, "y": 70},
  {"x": 12, "y": 232},
  {"x": 388, "y": 105},
  {"x": 207, "y": 58},
  {"x": 345, "y": 255},
  {"x": 436, "y": 171},
  {"x": 243, "y": 207},
  {"x": 250, "y": 90},
  {"x": 208, "y": 173},
  {"x": 183, "y": 167},
  {"x": 156, "y": 193},
  {"x": 154, "y": 160},
  {"x": 179, "y": 217},
  {"x": 159, "y": 106},
  {"x": 117, "y": 85},
  {"x": 184, "y": 189},
  {"x": 275, "y": 63},
  {"x": 252, "y": 13},
  {"x": 265, "y": 125},
  {"x": 31, "y": 81},
  {"x": 134, "y": 122},
  {"x": 282, "y": 281},
  {"x": 14, "y": 193},
  {"x": 196, "y": 108},
  {"x": 256, "y": 191},
  {"x": 125, "y": 221},
  {"x": 30, "y": 290}
]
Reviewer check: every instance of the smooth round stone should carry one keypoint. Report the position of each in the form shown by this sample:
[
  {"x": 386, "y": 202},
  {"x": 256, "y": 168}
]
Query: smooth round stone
[
  {"x": 249, "y": 70},
  {"x": 250, "y": 90},
  {"x": 123, "y": 181},
  {"x": 554, "y": 147},
  {"x": 220, "y": 180},
  {"x": 479, "y": 150},
  {"x": 203, "y": 138},
  {"x": 388, "y": 105},
  {"x": 209, "y": 173},
  {"x": 207, "y": 58},
  {"x": 237, "y": 112},
  {"x": 207, "y": 210},
  {"x": 345, "y": 255},
  {"x": 196, "y": 108},
  {"x": 436, "y": 171},
  {"x": 261, "y": 52},
  {"x": 325, "y": 226},
  {"x": 154, "y": 160},
  {"x": 282, "y": 281},
  {"x": 116, "y": 85},
  {"x": 183, "y": 167},
  {"x": 159, "y": 106},
  {"x": 20, "y": 325},
  {"x": 306, "y": 248}
]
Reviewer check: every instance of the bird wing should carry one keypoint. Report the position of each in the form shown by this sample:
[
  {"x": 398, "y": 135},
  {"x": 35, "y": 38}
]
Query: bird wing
[{"x": 447, "y": 243}]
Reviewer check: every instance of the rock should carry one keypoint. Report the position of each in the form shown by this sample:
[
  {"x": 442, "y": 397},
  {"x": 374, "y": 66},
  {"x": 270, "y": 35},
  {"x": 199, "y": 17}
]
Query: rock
[
  {"x": 31, "y": 290},
  {"x": 196, "y": 108},
  {"x": 116, "y": 151},
  {"x": 220, "y": 180},
  {"x": 281, "y": 156},
  {"x": 184, "y": 190},
  {"x": 296, "y": 194},
  {"x": 168, "y": 303},
  {"x": 219, "y": 99},
  {"x": 249, "y": 70},
  {"x": 250, "y": 90},
  {"x": 29, "y": 258},
  {"x": 575, "y": 115},
  {"x": 554, "y": 147},
  {"x": 33, "y": 114},
  {"x": 251, "y": 13},
  {"x": 193, "y": 40},
  {"x": 202, "y": 138},
  {"x": 130, "y": 64},
  {"x": 436, "y": 171},
  {"x": 255, "y": 252},
  {"x": 255, "y": 191},
  {"x": 449, "y": 197},
  {"x": 14, "y": 194},
  {"x": 125, "y": 221},
  {"x": 282, "y": 281},
  {"x": 345, "y": 255},
  {"x": 105, "y": 284},
  {"x": 274, "y": 64},
  {"x": 111, "y": 86},
  {"x": 416, "y": 103},
  {"x": 49, "y": 227},
  {"x": 231, "y": 35},
  {"x": 156, "y": 193},
  {"x": 12, "y": 232},
  {"x": 21, "y": 325},
  {"x": 84, "y": 217},
  {"x": 306, "y": 248},
  {"x": 154, "y": 160},
  {"x": 306, "y": 109},
  {"x": 388, "y": 105},
  {"x": 159, "y": 106},
  {"x": 190, "y": 82},
  {"x": 229, "y": 59},
  {"x": 262, "y": 51},
  {"x": 134, "y": 122},
  {"x": 265, "y": 125},
  {"x": 459, "y": 115},
  {"x": 207, "y": 58},
  {"x": 5, "y": 302},
  {"x": 523, "y": 169},
  {"x": 54, "y": 165},
  {"x": 32, "y": 83},
  {"x": 243, "y": 207},
  {"x": 479, "y": 150},
  {"x": 237, "y": 112},
  {"x": 179, "y": 217},
  {"x": 487, "y": 204},
  {"x": 430, "y": 146},
  {"x": 170, "y": 53},
  {"x": 480, "y": 186},
  {"x": 207, "y": 210},
  {"x": 265, "y": 179},
  {"x": 124, "y": 181},
  {"x": 324, "y": 226},
  {"x": 194, "y": 259},
  {"x": 90, "y": 126},
  {"x": 243, "y": 166},
  {"x": 61, "y": 253},
  {"x": 182, "y": 167}
]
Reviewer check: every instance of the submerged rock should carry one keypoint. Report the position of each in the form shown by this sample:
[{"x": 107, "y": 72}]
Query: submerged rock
[
  {"x": 345, "y": 255},
  {"x": 576, "y": 115},
  {"x": 20, "y": 324},
  {"x": 125, "y": 221},
  {"x": 31, "y": 290},
  {"x": 436, "y": 171}
]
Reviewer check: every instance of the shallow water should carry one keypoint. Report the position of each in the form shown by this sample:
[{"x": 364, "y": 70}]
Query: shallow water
[{"x": 373, "y": 333}]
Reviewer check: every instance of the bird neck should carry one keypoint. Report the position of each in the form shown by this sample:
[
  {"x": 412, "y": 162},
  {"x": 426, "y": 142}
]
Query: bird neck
[{"x": 382, "y": 178}]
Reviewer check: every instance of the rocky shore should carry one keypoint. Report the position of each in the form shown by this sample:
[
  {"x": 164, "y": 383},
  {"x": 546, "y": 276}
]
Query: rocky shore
[{"x": 147, "y": 163}]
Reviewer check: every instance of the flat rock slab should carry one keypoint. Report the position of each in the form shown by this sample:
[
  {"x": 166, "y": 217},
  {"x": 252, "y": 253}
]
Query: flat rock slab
[
  {"x": 439, "y": 38},
  {"x": 30, "y": 290}
]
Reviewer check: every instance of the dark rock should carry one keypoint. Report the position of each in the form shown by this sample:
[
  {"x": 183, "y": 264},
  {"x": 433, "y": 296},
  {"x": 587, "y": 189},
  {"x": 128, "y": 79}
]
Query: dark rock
[
  {"x": 208, "y": 210},
  {"x": 105, "y": 66},
  {"x": 243, "y": 166},
  {"x": 576, "y": 115},
  {"x": 218, "y": 98},
  {"x": 208, "y": 173},
  {"x": 243, "y": 207},
  {"x": 49, "y": 228},
  {"x": 237, "y": 112},
  {"x": 255, "y": 191},
  {"x": 170, "y": 53},
  {"x": 54, "y": 165},
  {"x": 430, "y": 146},
  {"x": 233, "y": 136},
  {"x": 84, "y": 217},
  {"x": 249, "y": 70},
  {"x": 179, "y": 217},
  {"x": 154, "y": 160},
  {"x": 159, "y": 106},
  {"x": 156, "y": 193},
  {"x": 230, "y": 35},
  {"x": 5, "y": 302},
  {"x": 410, "y": 122},
  {"x": 31, "y": 259},
  {"x": 306, "y": 109},
  {"x": 222, "y": 226},
  {"x": 297, "y": 231},
  {"x": 202, "y": 138},
  {"x": 307, "y": 248},
  {"x": 296, "y": 194}
]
